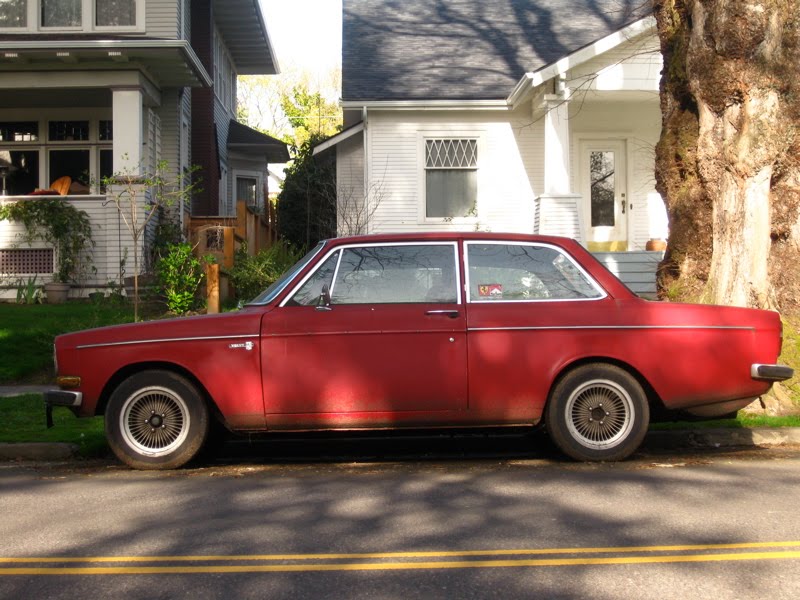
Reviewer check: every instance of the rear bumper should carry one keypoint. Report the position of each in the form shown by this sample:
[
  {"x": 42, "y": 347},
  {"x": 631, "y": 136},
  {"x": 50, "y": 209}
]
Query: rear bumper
[{"x": 771, "y": 372}]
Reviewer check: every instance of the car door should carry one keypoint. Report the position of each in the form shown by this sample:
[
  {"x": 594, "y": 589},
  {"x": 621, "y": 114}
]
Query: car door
[{"x": 375, "y": 335}]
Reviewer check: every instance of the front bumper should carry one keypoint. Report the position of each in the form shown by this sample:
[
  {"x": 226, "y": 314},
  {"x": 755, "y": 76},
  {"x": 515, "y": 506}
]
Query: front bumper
[
  {"x": 771, "y": 372},
  {"x": 71, "y": 400}
]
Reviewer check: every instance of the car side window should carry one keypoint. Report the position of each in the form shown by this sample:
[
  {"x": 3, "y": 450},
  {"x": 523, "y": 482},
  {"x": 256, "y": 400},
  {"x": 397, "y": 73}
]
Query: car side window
[
  {"x": 310, "y": 292},
  {"x": 396, "y": 274},
  {"x": 524, "y": 272}
]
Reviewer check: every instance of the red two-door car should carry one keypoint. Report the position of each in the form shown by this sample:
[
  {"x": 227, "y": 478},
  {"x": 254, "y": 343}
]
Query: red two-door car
[{"x": 428, "y": 330}]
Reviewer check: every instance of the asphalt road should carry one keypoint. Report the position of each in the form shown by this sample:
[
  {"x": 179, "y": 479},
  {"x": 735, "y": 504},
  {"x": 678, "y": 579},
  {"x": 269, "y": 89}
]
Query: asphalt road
[{"x": 453, "y": 519}]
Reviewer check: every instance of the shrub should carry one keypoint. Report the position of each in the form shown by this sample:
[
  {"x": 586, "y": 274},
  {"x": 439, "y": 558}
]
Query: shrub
[
  {"x": 180, "y": 274},
  {"x": 252, "y": 274}
]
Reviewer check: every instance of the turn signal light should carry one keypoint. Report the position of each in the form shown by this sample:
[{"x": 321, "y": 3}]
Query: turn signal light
[{"x": 68, "y": 381}]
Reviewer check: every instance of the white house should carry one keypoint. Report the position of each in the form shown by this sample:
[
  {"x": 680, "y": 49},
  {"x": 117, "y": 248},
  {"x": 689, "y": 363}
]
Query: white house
[
  {"x": 89, "y": 88},
  {"x": 537, "y": 116}
]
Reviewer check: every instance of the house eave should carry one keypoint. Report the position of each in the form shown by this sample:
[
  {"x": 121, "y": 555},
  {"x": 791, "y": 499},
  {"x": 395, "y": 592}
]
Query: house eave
[
  {"x": 534, "y": 79},
  {"x": 11, "y": 51},
  {"x": 338, "y": 138},
  {"x": 242, "y": 24},
  {"x": 427, "y": 104}
]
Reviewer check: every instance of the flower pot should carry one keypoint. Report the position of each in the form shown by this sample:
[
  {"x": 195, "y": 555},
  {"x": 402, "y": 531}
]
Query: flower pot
[
  {"x": 56, "y": 292},
  {"x": 656, "y": 245}
]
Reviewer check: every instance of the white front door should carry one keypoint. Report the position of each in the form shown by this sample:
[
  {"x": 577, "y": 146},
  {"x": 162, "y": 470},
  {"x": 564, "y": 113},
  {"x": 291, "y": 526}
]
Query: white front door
[{"x": 605, "y": 200}]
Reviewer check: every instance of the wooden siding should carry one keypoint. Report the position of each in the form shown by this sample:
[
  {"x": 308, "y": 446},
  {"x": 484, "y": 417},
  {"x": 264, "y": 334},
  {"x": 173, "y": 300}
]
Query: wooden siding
[
  {"x": 350, "y": 175},
  {"x": 637, "y": 270},
  {"x": 507, "y": 166},
  {"x": 633, "y": 65},
  {"x": 109, "y": 233},
  {"x": 163, "y": 19}
]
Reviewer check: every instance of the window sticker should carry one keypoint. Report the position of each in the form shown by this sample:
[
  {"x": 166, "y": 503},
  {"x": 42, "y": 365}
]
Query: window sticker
[{"x": 490, "y": 290}]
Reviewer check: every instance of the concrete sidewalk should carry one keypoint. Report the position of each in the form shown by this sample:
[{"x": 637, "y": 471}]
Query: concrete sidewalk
[
  {"x": 19, "y": 390},
  {"x": 655, "y": 440}
]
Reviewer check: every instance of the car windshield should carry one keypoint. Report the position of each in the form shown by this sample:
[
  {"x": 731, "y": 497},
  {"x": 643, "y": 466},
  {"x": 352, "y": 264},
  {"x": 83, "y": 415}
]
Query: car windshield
[{"x": 269, "y": 294}]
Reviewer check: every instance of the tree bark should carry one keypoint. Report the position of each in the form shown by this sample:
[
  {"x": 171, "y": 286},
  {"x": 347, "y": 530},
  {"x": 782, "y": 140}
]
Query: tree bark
[{"x": 727, "y": 164}]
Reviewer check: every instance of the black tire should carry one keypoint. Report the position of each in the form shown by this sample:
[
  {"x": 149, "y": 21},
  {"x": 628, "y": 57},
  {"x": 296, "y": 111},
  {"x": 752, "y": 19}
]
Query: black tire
[
  {"x": 156, "y": 420},
  {"x": 597, "y": 412}
]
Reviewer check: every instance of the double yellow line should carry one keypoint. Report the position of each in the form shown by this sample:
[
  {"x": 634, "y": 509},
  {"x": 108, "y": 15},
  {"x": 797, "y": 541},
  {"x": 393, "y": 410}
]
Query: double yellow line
[{"x": 397, "y": 561}]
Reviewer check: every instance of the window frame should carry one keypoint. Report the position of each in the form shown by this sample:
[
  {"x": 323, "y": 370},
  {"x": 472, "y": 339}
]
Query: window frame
[
  {"x": 43, "y": 146},
  {"x": 88, "y": 20},
  {"x": 468, "y": 282},
  {"x": 342, "y": 248},
  {"x": 479, "y": 135},
  {"x": 249, "y": 174}
]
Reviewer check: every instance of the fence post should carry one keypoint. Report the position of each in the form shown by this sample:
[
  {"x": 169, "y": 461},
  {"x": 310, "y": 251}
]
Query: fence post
[{"x": 212, "y": 288}]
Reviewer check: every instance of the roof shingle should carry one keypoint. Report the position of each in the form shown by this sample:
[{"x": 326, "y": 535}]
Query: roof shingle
[{"x": 465, "y": 49}]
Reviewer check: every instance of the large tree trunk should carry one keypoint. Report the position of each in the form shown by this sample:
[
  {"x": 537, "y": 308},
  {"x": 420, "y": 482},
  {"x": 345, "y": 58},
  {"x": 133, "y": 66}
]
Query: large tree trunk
[{"x": 728, "y": 162}]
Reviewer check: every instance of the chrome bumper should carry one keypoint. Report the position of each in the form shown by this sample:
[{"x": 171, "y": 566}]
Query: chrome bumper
[
  {"x": 53, "y": 398},
  {"x": 771, "y": 372}
]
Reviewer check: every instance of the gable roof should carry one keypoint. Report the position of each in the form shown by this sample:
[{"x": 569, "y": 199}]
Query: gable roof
[{"x": 465, "y": 49}]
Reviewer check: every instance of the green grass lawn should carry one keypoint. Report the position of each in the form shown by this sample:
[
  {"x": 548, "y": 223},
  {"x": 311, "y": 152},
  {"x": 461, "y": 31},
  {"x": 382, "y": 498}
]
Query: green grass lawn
[
  {"x": 27, "y": 333},
  {"x": 22, "y": 419},
  {"x": 742, "y": 420}
]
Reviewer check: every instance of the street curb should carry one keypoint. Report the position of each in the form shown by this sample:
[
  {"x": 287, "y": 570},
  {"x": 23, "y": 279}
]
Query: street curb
[{"x": 723, "y": 438}]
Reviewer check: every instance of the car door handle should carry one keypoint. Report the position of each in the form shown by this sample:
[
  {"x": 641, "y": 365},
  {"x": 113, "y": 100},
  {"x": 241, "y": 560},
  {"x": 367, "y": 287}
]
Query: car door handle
[{"x": 453, "y": 314}]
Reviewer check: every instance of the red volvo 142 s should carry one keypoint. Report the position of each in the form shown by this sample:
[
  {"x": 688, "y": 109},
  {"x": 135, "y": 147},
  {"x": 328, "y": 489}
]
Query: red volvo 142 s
[{"x": 430, "y": 330}]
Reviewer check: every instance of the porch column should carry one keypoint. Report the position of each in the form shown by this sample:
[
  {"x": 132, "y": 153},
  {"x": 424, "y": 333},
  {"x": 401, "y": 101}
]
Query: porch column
[
  {"x": 556, "y": 144},
  {"x": 558, "y": 210},
  {"x": 128, "y": 115}
]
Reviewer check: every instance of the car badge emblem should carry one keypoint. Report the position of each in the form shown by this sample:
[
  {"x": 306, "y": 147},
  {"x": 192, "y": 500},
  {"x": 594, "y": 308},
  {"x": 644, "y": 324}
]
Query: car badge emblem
[{"x": 246, "y": 345}]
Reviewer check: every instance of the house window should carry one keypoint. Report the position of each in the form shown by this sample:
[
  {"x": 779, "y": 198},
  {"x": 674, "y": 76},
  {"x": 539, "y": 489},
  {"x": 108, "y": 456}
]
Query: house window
[
  {"x": 73, "y": 164},
  {"x": 13, "y": 13},
  {"x": 106, "y": 131},
  {"x": 61, "y": 13},
  {"x": 23, "y": 176},
  {"x": 247, "y": 191},
  {"x": 451, "y": 177},
  {"x": 68, "y": 131},
  {"x": 24, "y": 16},
  {"x": 80, "y": 150},
  {"x": 115, "y": 13},
  {"x": 224, "y": 74},
  {"x": 26, "y": 131}
]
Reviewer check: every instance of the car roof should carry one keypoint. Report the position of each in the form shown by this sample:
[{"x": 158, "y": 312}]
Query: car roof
[{"x": 447, "y": 236}]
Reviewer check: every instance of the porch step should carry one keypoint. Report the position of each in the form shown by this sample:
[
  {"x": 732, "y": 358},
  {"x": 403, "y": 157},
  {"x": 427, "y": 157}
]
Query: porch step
[{"x": 636, "y": 269}]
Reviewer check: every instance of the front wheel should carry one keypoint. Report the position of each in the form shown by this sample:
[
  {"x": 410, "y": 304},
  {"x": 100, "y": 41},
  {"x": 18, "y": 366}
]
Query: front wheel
[
  {"x": 597, "y": 412},
  {"x": 156, "y": 420}
]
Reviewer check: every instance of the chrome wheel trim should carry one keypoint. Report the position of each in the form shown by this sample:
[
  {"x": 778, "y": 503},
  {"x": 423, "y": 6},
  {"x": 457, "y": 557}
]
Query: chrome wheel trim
[
  {"x": 154, "y": 421},
  {"x": 599, "y": 414}
]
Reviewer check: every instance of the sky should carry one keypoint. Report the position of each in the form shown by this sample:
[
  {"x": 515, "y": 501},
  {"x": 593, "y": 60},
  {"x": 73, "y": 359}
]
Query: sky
[{"x": 306, "y": 33}]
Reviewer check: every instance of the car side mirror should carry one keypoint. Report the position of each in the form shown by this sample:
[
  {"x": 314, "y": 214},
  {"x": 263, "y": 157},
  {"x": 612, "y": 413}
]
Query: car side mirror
[{"x": 324, "y": 300}]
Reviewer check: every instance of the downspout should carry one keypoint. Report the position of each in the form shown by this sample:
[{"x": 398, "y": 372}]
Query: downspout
[{"x": 367, "y": 162}]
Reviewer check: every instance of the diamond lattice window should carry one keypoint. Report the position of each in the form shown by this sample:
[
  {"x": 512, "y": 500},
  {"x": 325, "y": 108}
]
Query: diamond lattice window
[
  {"x": 451, "y": 154},
  {"x": 451, "y": 178}
]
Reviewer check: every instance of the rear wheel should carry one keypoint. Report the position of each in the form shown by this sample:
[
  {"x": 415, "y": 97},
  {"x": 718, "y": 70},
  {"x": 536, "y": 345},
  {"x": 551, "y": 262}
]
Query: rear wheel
[
  {"x": 156, "y": 420},
  {"x": 598, "y": 412}
]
